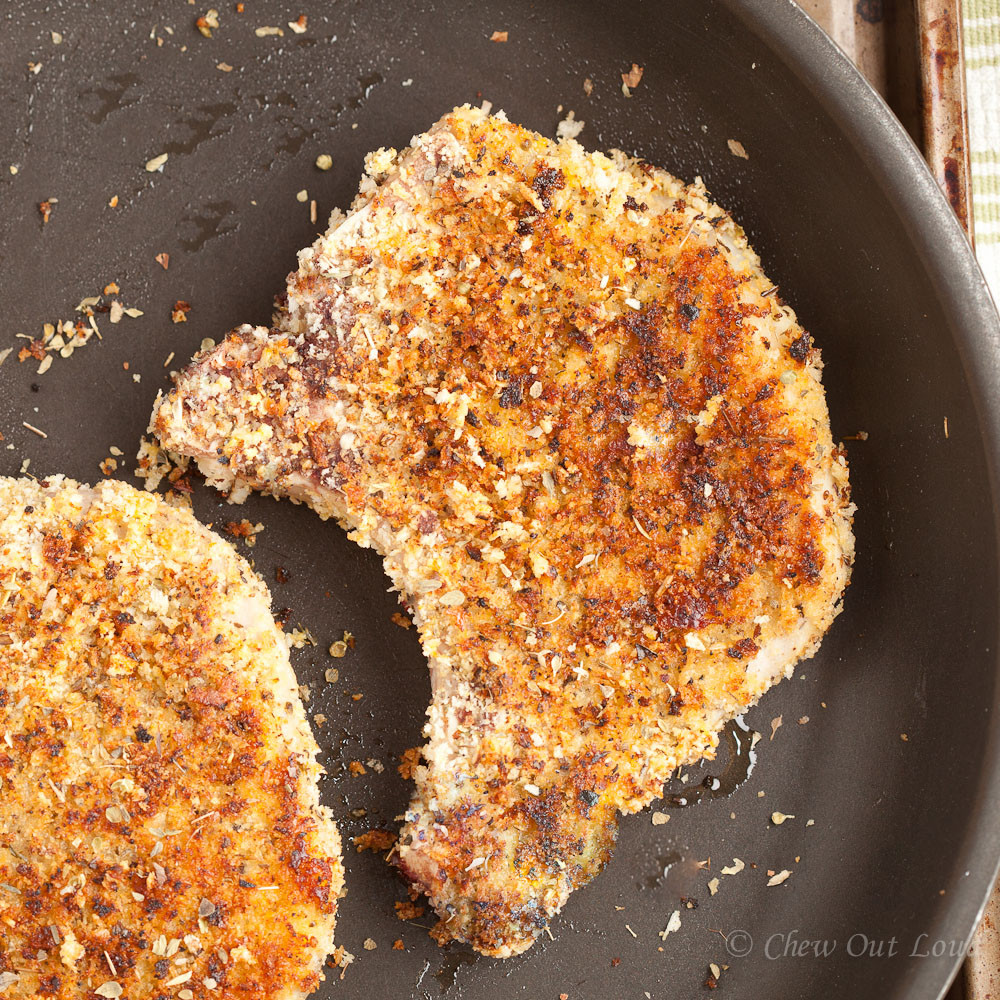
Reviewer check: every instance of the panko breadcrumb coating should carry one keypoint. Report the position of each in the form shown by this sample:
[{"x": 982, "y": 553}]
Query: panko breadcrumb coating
[{"x": 160, "y": 825}]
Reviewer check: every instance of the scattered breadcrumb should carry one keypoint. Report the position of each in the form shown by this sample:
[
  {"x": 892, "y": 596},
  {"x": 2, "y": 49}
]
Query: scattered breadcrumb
[
  {"x": 243, "y": 529},
  {"x": 631, "y": 79},
  {"x": 779, "y": 878},
  {"x": 803, "y": 720},
  {"x": 324, "y": 161},
  {"x": 356, "y": 768},
  {"x": 397, "y": 945},
  {"x": 163, "y": 259},
  {"x": 338, "y": 649},
  {"x": 375, "y": 841},
  {"x": 588, "y": 86},
  {"x": 299, "y": 638},
  {"x": 409, "y": 760},
  {"x": 156, "y": 163},
  {"x": 735, "y": 868},
  {"x": 302, "y": 196},
  {"x": 155, "y": 464},
  {"x": 268, "y": 30},
  {"x": 207, "y": 22},
  {"x": 737, "y": 149},
  {"x": 713, "y": 886},
  {"x": 398, "y": 618},
  {"x": 370, "y": 944},
  {"x": 180, "y": 310},
  {"x": 659, "y": 818},
  {"x": 45, "y": 208},
  {"x": 569, "y": 127},
  {"x": 408, "y": 910},
  {"x": 224, "y": 66},
  {"x": 633, "y": 76},
  {"x": 775, "y": 725},
  {"x": 498, "y": 36},
  {"x": 299, "y": 26},
  {"x": 341, "y": 957},
  {"x": 673, "y": 924},
  {"x": 777, "y": 818}
]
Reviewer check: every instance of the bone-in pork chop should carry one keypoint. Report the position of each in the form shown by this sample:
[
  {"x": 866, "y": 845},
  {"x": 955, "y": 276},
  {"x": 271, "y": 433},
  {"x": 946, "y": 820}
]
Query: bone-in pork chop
[{"x": 555, "y": 391}]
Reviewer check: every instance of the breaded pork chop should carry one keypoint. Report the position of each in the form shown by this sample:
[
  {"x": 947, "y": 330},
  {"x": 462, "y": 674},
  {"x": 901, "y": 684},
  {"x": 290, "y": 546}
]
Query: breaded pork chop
[
  {"x": 160, "y": 827},
  {"x": 556, "y": 392}
]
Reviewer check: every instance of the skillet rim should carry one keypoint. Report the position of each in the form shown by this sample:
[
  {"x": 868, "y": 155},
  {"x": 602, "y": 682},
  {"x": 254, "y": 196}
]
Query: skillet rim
[{"x": 863, "y": 117}]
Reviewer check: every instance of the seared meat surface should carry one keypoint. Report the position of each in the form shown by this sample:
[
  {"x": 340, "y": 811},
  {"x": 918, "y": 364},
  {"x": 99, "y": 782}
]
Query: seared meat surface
[
  {"x": 556, "y": 392},
  {"x": 160, "y": 826}
]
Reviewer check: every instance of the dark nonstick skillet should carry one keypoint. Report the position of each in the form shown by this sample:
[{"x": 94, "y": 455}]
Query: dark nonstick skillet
[{"x": 897, "y": 763}]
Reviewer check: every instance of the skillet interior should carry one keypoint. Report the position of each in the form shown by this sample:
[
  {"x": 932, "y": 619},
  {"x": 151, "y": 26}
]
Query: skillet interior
[{"x": 904, "y": 840}]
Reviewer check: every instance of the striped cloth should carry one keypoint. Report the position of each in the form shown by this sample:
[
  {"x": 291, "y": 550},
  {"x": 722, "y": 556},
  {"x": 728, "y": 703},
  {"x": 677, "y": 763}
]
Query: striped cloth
[{"x": 981, "y": 19}]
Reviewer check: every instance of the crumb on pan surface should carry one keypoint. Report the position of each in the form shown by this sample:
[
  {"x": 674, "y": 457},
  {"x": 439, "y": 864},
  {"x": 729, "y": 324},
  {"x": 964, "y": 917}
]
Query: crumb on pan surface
[
  {"x": 555, "y": 390},
  {"x": 160, "y": 828}
]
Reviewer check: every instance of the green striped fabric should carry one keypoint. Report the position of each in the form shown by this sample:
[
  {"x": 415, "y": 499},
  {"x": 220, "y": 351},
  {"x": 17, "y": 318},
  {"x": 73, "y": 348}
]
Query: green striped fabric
[{"x": 982, "y": 63}]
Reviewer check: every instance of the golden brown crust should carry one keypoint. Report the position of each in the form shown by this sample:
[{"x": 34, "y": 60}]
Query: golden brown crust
[
  {"x": 160, "y": 829},
  {"x": 555, "y": 390}
]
